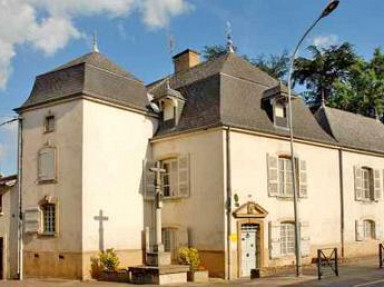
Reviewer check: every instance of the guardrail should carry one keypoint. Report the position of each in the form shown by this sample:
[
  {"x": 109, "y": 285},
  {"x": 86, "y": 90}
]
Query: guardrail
[{"x": 327, "y": 261}]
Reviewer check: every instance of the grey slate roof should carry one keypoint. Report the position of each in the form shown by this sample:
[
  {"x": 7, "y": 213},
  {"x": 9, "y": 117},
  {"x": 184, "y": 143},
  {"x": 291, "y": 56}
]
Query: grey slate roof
[
  {"x": 229, "y": 91},
  {"x": 92, "y": 75},
  {"x": 352, "y": 130}
]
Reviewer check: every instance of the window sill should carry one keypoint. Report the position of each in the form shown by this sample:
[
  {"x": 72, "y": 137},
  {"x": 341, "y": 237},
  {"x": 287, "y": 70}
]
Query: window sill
[
  {"x": 46, "y": 181},
  {"x": 48, "y": 235},
  {"x": 172, "y": 198}
]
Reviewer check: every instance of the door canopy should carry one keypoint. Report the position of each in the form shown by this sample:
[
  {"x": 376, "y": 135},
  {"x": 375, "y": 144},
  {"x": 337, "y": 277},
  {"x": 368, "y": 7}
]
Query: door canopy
[{"x": 250, "y": 210}]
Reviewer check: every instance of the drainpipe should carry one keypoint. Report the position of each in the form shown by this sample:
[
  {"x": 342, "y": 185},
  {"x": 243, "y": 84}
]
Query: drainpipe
[
  {"x": 228, "y": 201},
  {"x": 341, "y": 179},
  {"x": 20, "y": 212}
]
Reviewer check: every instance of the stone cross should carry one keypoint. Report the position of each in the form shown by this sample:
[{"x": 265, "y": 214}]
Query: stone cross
[
  {"x": 101, "y": 220},
  {"x": 158, "y": 171}
]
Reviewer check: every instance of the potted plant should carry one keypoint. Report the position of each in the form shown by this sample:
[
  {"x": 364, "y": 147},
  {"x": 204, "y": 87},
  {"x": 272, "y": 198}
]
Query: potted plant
[
  {"x": 190, "y": 256},
  {"x": 105, "y": 267}
]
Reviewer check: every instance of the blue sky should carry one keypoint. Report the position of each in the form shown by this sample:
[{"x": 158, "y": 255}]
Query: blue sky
[{"x": 134, "y": 36}]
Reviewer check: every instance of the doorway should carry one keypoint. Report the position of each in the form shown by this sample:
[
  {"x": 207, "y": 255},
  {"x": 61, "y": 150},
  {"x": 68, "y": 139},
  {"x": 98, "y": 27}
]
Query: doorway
[{"x": 250, "y": 242}]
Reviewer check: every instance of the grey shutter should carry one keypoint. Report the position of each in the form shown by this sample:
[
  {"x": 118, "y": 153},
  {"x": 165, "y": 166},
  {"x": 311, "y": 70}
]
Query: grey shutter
[
  {"x": 377, "y": 184},
  {"x": 378, "y": 230},
  {"x": 358, "y": 183},
  {"x": 182, "y": 237},
  {"x": 273, "y": 175},
  {"x": 305, "y": 239},
  {"x": 47, "y": 164},
  {"x": 149, "y": 179},
  {"x": 32, "y": 220},
  {"x": 303, "y": 187},
  {"x": 274, "y": 239},
  {"x": 183, "y": 180},
  {"x": 359, "y": 230}
]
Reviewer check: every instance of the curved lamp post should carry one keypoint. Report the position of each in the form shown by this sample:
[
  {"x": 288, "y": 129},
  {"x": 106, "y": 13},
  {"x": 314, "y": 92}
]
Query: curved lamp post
[{"x": 328, "y": 10}]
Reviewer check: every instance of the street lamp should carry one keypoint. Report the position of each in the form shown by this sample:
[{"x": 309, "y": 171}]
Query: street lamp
[{"x": 328, "y": 10}]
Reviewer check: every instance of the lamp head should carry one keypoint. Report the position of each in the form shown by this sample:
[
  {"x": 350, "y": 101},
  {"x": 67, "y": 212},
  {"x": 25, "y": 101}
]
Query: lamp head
[{"x": 330, "y": 8}]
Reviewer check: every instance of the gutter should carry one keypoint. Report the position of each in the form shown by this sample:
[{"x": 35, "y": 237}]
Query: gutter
[
  {"x": 228, "y": 201},
  {"x": 342, "y": 214},
  {"x": 20, "y": 221}
]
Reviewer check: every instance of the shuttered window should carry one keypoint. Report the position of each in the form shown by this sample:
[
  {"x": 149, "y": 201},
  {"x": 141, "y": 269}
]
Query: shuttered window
[
  {"x": 367, "y": 183},
  {"x": 47, "y": 164},
  {"x": 287, "y": 238},
  {"x": 369, "y": 229},
  {"x": 285, "y": 177},
  {"x": 170, "y": 178}
]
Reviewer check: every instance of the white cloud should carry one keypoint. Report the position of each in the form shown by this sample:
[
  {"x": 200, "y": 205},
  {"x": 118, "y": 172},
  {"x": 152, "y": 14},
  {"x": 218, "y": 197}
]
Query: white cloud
[
  {"x": 325, "y": 41},
  {"x": 48, "y": 25},
  {"x": 157, "y": 13}
]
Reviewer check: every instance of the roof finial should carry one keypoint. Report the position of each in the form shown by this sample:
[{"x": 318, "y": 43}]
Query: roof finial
[
  {"x": 171, "y": 49},
  {"x": 228, "y": 31},
  {"x": 322, "y": 99},
  {"x": 95, "y": 46}
]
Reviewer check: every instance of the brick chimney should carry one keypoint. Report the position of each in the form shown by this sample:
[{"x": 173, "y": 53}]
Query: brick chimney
[{"x": 186, "y": 60}]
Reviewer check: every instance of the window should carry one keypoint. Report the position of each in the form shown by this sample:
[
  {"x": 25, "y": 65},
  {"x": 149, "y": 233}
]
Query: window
[
  {"x": 47, "y": 164},
  {"x": 369, "y": 229},
  {"x": 287, "y": 238},
  {"x": 280, "y": 110},
  {"x": 285, "y": 177},
  {"x": 367, "y": 180},
  {"x": 169, "y": 239},
  {"x": 170, "y": 178},
  {"x": 49, "y": 123},
  {"x": 49, "y": 218}
]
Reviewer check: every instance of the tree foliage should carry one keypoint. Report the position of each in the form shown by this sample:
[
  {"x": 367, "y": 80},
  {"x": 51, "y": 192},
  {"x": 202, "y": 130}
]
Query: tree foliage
[
  {"x": 363, "y": 92},
  {"x": 320, "y": 72}
]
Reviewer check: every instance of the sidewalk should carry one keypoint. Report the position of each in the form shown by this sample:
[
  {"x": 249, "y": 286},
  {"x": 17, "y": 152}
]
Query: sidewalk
[{"x": 362, "y": 273}]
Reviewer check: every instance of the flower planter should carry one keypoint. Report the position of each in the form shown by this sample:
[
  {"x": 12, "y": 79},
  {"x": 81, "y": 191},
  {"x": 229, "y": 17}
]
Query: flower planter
[
  {"x": 198, "y": 276},
  {"x": 120, "y": 275}
]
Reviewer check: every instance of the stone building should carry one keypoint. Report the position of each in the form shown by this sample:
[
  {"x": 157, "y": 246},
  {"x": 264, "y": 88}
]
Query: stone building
[
  {"x": 9, "y": 212},
  {"x": 219, "y": 128}
]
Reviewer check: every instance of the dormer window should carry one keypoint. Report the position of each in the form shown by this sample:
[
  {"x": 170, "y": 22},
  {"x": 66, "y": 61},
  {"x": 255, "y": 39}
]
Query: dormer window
[
  {"x": 280, "y": 113},
  {"x": 275, "y": 104},
  {"x": 280, "y": 110},
  {"x": 49, "y": 123}
]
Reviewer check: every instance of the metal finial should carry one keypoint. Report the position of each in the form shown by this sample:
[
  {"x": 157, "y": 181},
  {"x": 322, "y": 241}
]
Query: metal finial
[
  {"x": 95, "y": 46},
  {"x": 171, "y": 49},
  {"x": 228, "y": 31}
]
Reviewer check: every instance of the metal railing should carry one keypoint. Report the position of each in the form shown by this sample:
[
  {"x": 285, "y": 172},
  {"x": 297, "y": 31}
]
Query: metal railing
[
  {"x": 327, "y": 261},
  {"x": 381, "y": 255}
]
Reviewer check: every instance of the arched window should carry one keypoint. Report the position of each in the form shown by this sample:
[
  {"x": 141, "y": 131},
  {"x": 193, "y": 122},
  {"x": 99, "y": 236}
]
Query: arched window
[
  {"x": 287, "y": 238},
  {"x": 369, "y": 229}
]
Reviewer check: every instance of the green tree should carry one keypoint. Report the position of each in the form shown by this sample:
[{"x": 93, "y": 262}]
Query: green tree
[
  {"x": 274, "y": 65},
  {"x": 326, "y": 66},
  {"x": 363, "y": 92}
]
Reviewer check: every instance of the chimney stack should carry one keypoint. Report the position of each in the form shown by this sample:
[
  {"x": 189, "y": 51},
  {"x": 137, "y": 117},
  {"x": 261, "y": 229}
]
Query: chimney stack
[{"x": 186, "y": 60}]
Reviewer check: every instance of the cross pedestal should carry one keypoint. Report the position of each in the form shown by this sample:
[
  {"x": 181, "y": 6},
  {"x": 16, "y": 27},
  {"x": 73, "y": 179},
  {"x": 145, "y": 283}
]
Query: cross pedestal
[{"x": 159, "y": 257}]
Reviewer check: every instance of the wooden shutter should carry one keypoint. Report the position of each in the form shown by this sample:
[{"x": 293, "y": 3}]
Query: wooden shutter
[
  {"x": 183, "y": 180},
  {"x": 273, "y": 175},
  {"x": 149, "y": 179},
  {"x": 47, "y": 164},
  {"x": 274, "y": 239},
  {"x": 302, "y": 170},
  {"x": 377, "y": 185},
  {"x": 359, "y": 230},
  {"x": 182, "y": 237},
  {"x": 305, "y": 239},
  {"x": 32, "y": 220},
  {"x": 378, "y": 230},
  {"x": 358, "y": 183}
]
